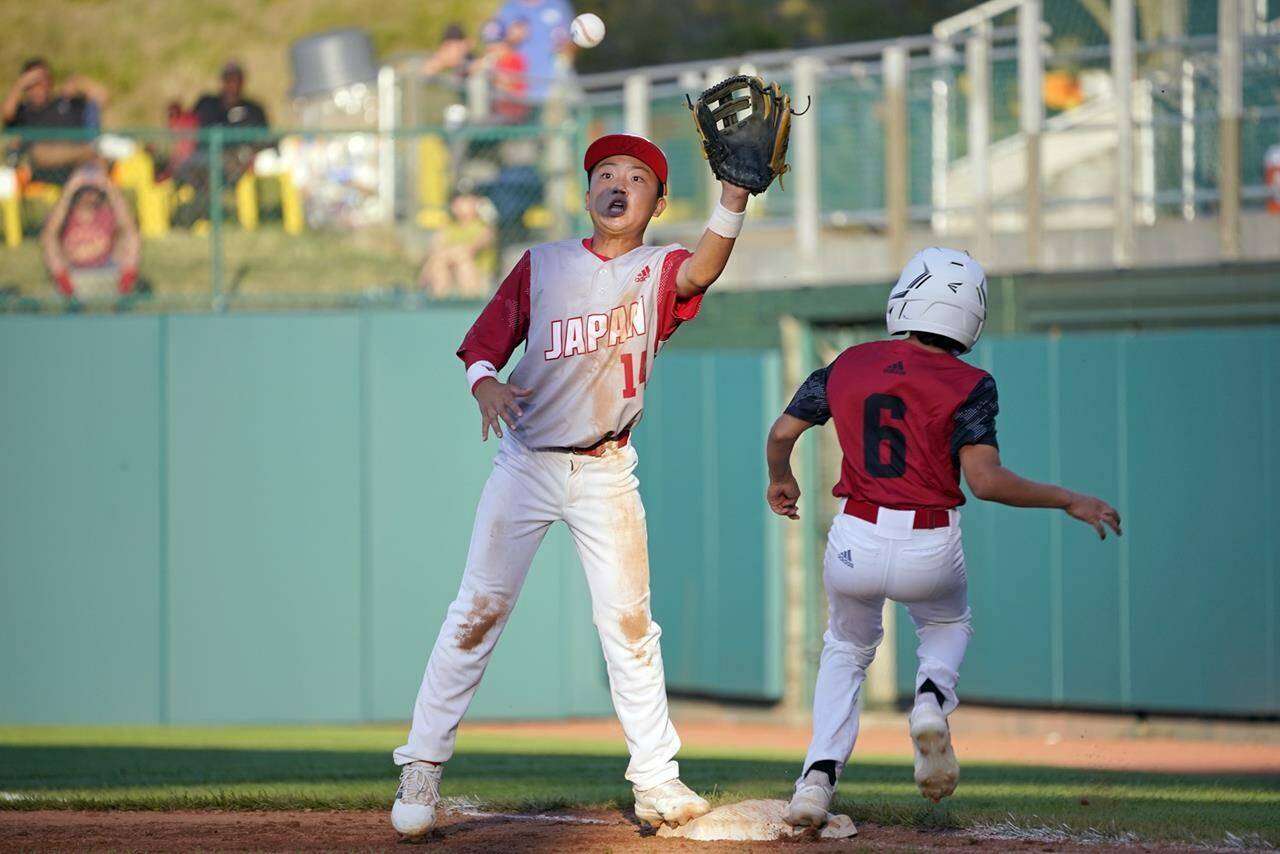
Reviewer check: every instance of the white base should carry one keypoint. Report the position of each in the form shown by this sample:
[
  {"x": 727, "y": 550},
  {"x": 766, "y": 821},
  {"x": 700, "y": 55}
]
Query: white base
[{"x": 751, "y": 820}]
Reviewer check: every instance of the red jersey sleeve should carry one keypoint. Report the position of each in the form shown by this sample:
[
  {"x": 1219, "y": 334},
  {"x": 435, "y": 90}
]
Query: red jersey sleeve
[
  {"x": 504, "y": 322},
  {"x": 672, "y": 310}
]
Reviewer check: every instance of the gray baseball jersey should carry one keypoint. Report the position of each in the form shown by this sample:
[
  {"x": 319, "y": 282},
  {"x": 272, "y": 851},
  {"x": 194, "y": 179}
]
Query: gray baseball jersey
[{"x": 592, "y": 327}]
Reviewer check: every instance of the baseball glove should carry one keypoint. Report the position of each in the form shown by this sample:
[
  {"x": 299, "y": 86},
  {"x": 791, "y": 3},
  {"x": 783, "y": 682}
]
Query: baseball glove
[{"x": 748, "y": 149}]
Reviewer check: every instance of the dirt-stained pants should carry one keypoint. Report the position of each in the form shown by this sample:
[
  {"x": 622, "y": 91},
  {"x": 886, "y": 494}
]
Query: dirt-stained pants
[
  {"x": 865, "y": 564},
  {"x": 598, "y": 498}
]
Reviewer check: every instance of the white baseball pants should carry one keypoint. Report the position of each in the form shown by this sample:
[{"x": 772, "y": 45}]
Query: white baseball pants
[
  {"x": 865, "y": 564},
  {"x": 598, "y": 498}
]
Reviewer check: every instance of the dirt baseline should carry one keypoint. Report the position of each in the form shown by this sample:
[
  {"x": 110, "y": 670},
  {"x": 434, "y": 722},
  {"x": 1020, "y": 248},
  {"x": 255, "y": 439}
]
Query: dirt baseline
[{"x": 569, "y": 830}]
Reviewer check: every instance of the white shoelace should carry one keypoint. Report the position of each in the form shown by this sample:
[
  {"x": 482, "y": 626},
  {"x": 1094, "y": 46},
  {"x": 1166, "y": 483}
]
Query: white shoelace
[{"x": 420, "y": 784}]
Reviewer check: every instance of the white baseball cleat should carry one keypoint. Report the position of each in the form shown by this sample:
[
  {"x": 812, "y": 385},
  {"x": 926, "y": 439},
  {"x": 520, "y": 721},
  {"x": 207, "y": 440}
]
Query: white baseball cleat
[
  {"x": 671, "y": 803},
  {"x": 937, "y": 770},
  {"x": 414, "y": 812},
  {"x": 811, "y": 804}
]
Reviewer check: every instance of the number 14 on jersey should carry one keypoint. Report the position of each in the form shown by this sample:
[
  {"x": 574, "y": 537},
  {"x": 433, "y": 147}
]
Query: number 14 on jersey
[{"x": 630, "y": 382}]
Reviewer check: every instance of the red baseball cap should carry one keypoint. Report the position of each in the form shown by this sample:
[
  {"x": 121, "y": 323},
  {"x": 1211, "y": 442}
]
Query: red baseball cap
[{"x": 626, "y": 143}]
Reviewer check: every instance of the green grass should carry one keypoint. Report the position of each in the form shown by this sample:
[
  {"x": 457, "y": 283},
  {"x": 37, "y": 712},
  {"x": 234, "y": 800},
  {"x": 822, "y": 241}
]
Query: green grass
[
  {"x": 350, "y": 768},
  {"x": 262, "y": 263},
  {"x": 150, "y": 51}
]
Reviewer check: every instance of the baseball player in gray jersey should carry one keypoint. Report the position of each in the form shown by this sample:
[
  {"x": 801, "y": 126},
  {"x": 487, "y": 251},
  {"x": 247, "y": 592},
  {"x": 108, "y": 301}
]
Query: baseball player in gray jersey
[{"x": 592, "y": 314}]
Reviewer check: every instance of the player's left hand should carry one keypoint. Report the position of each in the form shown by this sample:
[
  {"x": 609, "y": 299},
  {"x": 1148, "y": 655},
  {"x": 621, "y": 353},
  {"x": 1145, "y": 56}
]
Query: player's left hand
[
  {"x": 1095, "y": 512},
  {"x": 783, "y": 497}
]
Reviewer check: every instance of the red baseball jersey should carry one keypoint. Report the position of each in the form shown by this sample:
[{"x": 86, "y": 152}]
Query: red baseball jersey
[{"x": 902, "y": 414}]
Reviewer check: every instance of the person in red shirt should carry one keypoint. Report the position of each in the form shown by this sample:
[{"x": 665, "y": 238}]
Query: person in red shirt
[
  {"x": 910, "y": 417},
  {"x": 509, "y": 71},
  {"x": 90, "y": 241}
]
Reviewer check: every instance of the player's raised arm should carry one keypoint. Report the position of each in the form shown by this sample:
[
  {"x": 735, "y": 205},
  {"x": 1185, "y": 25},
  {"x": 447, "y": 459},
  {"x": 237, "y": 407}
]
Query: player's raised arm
[
  {"x": 745, "y": 125},
  {"x": 701, "y": 269},
  {"x": 991, "y": 481}
]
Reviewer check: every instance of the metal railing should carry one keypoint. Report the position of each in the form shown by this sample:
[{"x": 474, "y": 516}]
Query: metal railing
[{"x": 966, "y": 137}]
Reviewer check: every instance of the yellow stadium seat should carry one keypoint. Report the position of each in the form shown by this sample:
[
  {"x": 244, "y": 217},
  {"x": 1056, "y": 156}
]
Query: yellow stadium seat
[
  {"x": 433, "y": 182},
  {"x": 10, "y": 207},
  {"x": 137, "y": 172}
]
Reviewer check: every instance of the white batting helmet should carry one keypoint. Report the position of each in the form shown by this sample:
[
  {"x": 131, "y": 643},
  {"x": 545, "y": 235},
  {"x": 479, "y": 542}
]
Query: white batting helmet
[{"x": 943, "y": 291}]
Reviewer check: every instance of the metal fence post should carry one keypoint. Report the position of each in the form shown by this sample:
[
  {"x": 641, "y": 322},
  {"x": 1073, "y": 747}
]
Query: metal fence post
[
  {"x": 943, "y": 55},
  {"x": 894, "y": 63},
  {"x": 1230, "y": 98},
  {"x": 795, "y": 367},
  {"x": 387, "y": 112},
  {"x": 1031, "y": 119},
  {"x": 978, "y": 66},
  {"x": 804, "y": 77},
  {"x": 215, "y": 218},
  {"x": 1188, "y": 110},
  {"x": 635, "y": 104},
  {"x": 1122, "y": 50},
  {"x": 477, "y": 92},
  {"x": 1145, "y": 178}
]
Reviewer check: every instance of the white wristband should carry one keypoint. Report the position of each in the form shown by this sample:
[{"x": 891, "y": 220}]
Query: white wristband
[
  {"x": 479, "y": 371},
  {"x": 725, "y": 222}
]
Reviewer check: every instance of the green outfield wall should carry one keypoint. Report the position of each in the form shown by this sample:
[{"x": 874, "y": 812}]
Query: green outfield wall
[
  {"x": 1182, "y": 614},
  {"x": 263, "y": 518}
]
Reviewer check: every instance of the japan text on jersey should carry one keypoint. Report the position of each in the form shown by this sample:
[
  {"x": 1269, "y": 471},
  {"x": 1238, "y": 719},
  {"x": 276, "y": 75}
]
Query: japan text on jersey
[{"x": 574, "y": 336}]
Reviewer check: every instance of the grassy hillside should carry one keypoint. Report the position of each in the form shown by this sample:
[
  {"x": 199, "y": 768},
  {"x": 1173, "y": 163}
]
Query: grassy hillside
[{"x": 151, "y": 51}]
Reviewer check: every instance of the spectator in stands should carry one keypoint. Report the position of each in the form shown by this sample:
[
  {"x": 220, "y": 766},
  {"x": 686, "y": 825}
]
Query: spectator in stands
[
  {"x": 184, "y": 124},
  {"x": 547, "y": 42},
  {"x": 32, "y": 102},
  {"x": 90, "y": 241},
  {"x": 517, "y": 186},
  {"x": 229, "y": 107},
  {"x": 453, "y": 57},
  {"x": 453, "y": 266},
  {"x": 226, "y": 108},
  {"x": 508, "y": 71}
]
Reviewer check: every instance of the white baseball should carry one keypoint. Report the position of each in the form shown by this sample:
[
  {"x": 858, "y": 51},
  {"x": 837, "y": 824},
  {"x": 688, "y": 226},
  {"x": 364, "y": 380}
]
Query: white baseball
[{"x": 587, "y": 30}]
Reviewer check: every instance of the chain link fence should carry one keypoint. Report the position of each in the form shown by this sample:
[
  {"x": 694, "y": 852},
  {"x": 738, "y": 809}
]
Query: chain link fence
[
  {"x": 255, "y": 218},
  {"x": 416, "y": 195}
]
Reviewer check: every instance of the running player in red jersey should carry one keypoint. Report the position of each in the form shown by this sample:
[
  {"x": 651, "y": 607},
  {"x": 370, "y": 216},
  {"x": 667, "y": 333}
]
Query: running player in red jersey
[{"x": 910, "y": 417}]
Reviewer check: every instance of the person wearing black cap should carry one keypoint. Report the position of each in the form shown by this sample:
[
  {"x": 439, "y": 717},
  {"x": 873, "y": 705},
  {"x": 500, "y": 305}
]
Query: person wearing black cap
[
  {"x": 453, "y": 57},
  {"x": 229, "y": 107},
  {"x": 226, "y": 108},
  {"x": 591, "y": 314}
]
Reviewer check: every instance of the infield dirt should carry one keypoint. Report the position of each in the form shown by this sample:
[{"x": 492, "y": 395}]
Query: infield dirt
[{"x": 65, "y": 830}]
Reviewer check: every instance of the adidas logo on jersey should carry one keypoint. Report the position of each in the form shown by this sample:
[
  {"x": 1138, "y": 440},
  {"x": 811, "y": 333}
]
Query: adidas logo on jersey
[
  {"x": 846, "y": 558},
  {"x": 643, "y": 275},
  {"x": 896, "y": 368}
]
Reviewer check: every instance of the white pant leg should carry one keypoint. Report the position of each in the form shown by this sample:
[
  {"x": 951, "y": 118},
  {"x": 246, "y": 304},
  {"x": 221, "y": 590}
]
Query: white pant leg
[
  {"x": 607, "y": 521},
  {"x": 853, "y": 575},
  {"x": 927, "y": 574},
  {"x": 523, "y": 496}
]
